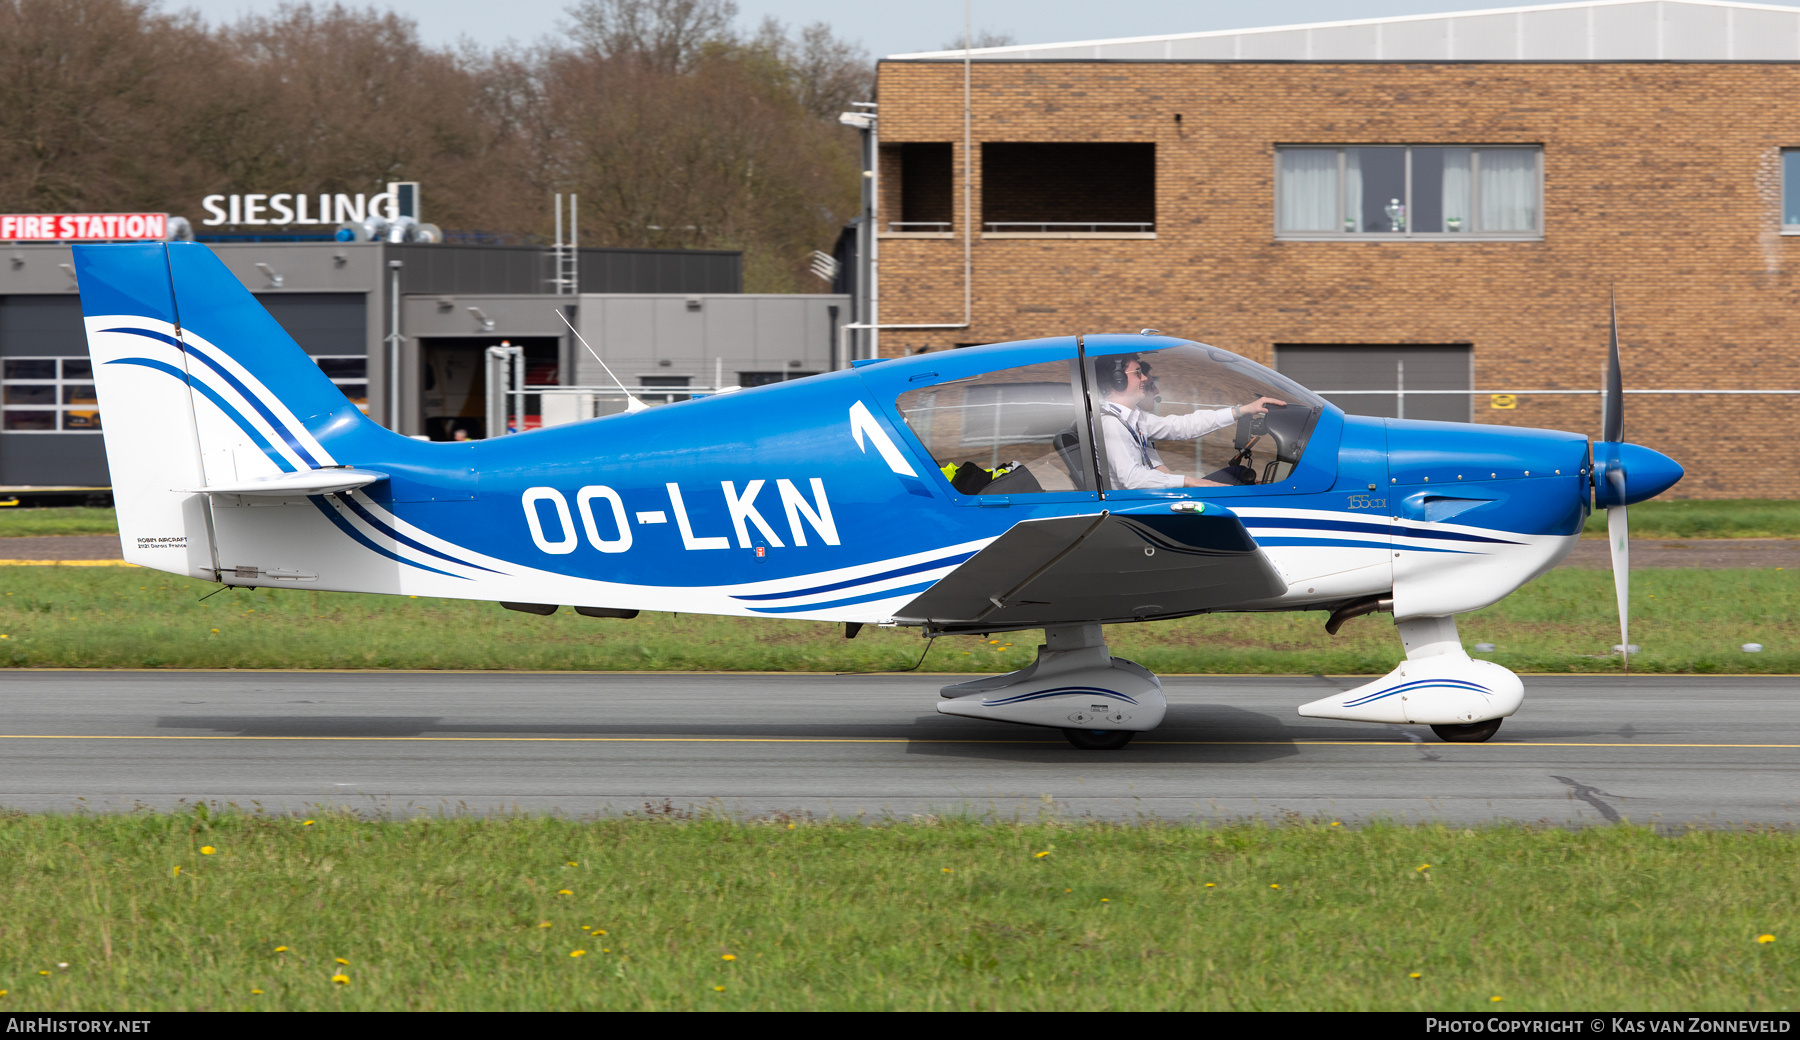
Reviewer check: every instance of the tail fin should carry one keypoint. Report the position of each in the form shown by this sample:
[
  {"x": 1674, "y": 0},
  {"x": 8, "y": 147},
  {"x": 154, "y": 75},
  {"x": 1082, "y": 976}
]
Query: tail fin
[{"x": 190, "y": 405}]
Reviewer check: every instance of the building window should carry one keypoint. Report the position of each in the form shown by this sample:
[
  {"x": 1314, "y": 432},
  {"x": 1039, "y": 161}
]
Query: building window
[
  {"x": 661, "y": 381},
  {"x": 49, "y": 395},
  {"x": 350, "y": 374},
  {"x": 1790, "y": 191},
  {"x": 1068, "y": 189},
  {"x": 1409, "y": 191},
  {"x": 926, "y": 189},
  {"x": 750, "y": 379}
]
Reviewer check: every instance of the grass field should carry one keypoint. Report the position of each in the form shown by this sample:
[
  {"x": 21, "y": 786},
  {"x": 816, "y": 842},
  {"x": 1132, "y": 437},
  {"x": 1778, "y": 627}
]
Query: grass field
[
  {"x": 105, "y": 617},
  {"x": 23, "y": 523},
  {"x": 1728, "y": 518},
  {"x": 135, "y": 912}
]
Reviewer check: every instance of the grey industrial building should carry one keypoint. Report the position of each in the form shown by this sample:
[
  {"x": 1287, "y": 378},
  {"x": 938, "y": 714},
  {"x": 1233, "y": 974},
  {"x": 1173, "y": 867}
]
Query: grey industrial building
[{"x": 664, "y": 320}]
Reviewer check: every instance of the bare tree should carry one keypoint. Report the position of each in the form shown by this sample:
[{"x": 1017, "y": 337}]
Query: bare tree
[
  {"x": 983, "y": 38},
  {"x": 676, "y": 128},
  {"x": 668, "y": 34}
]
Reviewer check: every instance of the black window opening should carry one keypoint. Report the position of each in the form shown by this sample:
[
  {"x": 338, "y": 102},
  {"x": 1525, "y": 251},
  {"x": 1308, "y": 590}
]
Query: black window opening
[
  {"x": 659, "y": 381},
  {"x": 927, "y": 189},
  {"x": 750, "y": 379},
  {"x": 1068, "y": 188},
  {"x": 1386, "y": 380}
]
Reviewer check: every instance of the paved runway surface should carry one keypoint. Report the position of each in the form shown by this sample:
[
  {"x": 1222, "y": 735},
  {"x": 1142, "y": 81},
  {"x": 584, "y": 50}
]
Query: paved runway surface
[{"x": 1667, "y": 750}]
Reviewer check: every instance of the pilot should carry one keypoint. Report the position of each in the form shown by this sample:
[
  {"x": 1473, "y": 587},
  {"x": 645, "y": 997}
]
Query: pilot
[{"x": 1128, "y": 429}]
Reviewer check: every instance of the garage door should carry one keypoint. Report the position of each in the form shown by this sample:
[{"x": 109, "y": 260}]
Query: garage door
[{"x": 1396, "y": 371}]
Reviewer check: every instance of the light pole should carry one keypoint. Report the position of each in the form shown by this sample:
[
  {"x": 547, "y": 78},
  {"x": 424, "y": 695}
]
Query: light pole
[{"x": 394, "y": 340}]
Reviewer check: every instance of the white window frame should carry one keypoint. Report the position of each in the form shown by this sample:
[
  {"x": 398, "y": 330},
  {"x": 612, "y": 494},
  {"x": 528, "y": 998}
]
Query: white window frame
[
  {"x": 1410, "y": 235},
  {"x": 58, "y": 383},
  {"x": 1789, "y": 191}
]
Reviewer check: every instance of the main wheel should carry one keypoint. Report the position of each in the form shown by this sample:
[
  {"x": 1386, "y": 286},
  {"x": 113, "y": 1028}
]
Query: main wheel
[
  {"x": 1473, "y": 733},
  {"x": 1099, "y": 739}
]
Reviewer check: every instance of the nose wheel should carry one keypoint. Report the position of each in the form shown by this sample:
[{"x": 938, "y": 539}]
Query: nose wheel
[{"x": 1099, "y": 739}]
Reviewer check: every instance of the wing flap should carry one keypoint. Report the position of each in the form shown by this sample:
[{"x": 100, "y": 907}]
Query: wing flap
[{"x": 1102, "y": 567}]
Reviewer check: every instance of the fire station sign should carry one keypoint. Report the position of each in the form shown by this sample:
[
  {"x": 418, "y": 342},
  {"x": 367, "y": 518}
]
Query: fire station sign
[{"x": 82, "y": 227}]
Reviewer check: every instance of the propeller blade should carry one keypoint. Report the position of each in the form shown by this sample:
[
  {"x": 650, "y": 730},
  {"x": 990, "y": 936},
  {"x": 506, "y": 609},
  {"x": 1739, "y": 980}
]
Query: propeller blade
[
  {"x": 1618, "y": 532},
  {"x": 1618, "y": 528},
  {"x": 1613, "y": 409}
]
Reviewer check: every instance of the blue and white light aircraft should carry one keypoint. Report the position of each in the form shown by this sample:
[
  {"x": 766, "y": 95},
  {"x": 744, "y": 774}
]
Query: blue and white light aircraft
[{"x": 1062, "y": 484}]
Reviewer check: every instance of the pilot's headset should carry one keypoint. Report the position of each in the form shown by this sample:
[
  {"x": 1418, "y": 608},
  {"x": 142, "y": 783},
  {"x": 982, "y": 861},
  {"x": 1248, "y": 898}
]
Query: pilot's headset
[{"x": 1109, "y": 372}]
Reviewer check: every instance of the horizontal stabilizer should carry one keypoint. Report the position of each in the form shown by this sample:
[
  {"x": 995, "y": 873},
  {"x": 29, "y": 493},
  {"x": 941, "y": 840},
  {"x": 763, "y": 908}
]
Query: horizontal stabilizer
[
  {"x": 292, "y": 485},
  {"x": 1101, "y": 567}
]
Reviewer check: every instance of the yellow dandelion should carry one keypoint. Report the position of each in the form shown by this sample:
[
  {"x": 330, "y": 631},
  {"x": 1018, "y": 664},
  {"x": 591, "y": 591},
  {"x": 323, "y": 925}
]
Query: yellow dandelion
[
  {"x": 605, "y": 951},
  {"x": 1414, "y": 975},
  {"x": 256, "y": 992},
  {"x": 1495, "y": 1000},
  {"x": 340, "y": 960},
  {"x": 1422, "y": 867},
  {"x": 947, "y": 870},
  {"x": 281, "y": 949},
  {"x": 564, "y": 892},
  {"x": 543, "y": 924},
  {"x": 1211, "y": 885},
  {"x": 3, "y": 992},
  {"x": 572, "y": 863},
  {"x": 599, "y": 931},
  {"x": 578, "y": 953},
  {"x": 1106, "y": 900},
  {"x": 176, "y": 872},
  {"x": 308, "y": 823},
  {"x": 43, "y": 973},
  {"x": 728, "y": 957},
  {"x": 341, "y": 979},
  {"x": 718, "y": 989},
  {"x": 1765, "y": 938},
  {"x": 790, "y": 826},
  {"x": 1042, "y": 854},
  {"x": 215, "y": 631},
  {"x": 2, "y": 636},
  {"x": 1336, "y": 823},
  {"x": 207, "y": 850},
  {"x": 1274, "y": 886}
]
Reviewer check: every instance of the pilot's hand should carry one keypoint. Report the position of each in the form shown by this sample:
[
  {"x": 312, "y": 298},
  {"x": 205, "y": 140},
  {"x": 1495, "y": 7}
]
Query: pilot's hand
[{"x": 1259, "y": 406}]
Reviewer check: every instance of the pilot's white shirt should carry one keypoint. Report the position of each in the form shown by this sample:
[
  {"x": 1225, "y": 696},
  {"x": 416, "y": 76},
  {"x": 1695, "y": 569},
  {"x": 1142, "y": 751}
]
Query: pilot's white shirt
[{"x": 1129, "y": 432}]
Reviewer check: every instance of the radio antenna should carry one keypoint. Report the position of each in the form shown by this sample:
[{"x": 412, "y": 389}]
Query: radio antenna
[{"x": 632, "y": 404}]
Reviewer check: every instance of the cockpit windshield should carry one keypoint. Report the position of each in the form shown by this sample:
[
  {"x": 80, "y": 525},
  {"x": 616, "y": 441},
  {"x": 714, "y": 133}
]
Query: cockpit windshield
[{"x": 1195, "y": 416}]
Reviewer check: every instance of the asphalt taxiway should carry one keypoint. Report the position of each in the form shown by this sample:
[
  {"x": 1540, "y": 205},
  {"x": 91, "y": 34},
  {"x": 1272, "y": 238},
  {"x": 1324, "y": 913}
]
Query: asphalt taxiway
[{"x": 1669, "y": 750}]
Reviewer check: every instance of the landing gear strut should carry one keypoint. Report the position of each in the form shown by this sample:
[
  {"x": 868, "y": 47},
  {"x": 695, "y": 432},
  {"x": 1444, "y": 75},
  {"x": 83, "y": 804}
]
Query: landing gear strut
[{"x": 1097, "y": 700}]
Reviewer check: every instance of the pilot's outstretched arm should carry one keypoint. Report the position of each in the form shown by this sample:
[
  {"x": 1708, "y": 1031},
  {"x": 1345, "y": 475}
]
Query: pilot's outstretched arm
[{"x": 1186, "y": 427}]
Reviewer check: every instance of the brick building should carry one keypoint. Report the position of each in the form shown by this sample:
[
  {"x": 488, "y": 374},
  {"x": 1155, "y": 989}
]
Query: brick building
[{"x": 1432, "y": 202}]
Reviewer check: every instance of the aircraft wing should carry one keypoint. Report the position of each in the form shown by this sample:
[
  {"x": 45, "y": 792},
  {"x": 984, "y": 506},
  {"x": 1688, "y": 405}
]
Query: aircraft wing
[{"x": 1100, "y": 567}]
